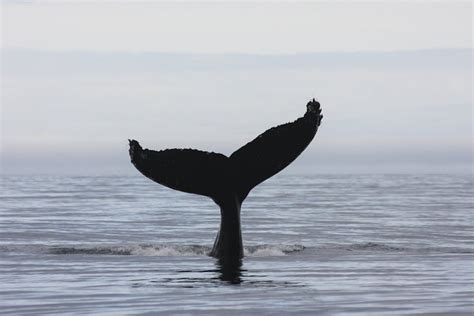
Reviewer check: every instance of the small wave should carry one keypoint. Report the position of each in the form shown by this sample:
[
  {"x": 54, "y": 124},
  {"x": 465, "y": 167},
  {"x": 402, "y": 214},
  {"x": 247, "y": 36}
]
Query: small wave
[
  {"x": 264, "y": 250},
  {"x": 453, "y": 250},
  {"x": 148, "y": 250},
  {"x": 271, "y": 250},
  {"x": 174, "y": 250},
  {"x": 135, "y": 250},
  {"x": 378, "y": 247},
  {"x": 371, "y": 246}
]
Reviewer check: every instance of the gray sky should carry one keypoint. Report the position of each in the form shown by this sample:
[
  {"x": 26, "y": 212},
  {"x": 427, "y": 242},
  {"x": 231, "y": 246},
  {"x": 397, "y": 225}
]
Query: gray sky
[{"x": 79, "y": 78}]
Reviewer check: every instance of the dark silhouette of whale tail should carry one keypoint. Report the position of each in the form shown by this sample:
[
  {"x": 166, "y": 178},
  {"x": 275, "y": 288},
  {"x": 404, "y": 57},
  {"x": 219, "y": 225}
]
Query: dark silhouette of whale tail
[{"x": 228, "y": 180}]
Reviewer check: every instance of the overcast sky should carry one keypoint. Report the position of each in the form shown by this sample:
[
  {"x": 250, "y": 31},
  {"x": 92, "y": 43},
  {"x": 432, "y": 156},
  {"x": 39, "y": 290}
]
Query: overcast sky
[{"x": 79, "y": 78}]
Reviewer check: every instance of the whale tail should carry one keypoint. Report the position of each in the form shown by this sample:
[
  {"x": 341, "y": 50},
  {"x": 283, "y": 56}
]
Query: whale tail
[{"x": 228, "y": 180}]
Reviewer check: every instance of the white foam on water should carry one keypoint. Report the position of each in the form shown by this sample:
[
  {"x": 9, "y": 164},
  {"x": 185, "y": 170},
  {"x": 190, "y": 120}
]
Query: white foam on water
[
  {"x": 271, "y": 250},
  {"x": 148, "y": 250},
  {"x": 265, "y": 250}
]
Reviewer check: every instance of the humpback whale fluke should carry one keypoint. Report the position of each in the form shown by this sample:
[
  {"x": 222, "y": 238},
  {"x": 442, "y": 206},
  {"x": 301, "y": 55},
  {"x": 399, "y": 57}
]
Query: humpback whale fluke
[{"x": 228, "y": 180}]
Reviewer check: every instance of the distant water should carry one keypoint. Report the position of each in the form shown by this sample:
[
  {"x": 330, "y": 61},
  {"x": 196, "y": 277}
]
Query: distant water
[{"x": 315, "y": 245}]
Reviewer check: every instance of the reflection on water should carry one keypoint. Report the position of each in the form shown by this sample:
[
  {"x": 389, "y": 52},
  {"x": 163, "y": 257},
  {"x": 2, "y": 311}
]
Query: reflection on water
[
  {"x": 214, "y": 274},
  {"x": 230, "y": 270}
]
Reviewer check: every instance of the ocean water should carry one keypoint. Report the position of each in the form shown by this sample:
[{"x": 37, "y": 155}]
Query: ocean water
[{"x": 315, "y": 245}]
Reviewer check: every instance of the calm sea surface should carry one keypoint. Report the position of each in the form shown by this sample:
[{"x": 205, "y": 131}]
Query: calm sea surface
[{"x": 315, "y": 245}]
